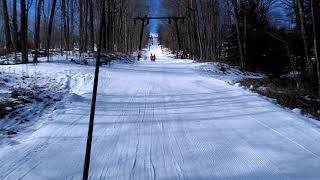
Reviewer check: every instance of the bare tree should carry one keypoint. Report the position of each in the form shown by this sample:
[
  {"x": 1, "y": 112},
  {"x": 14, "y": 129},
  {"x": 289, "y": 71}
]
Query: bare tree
[
  {"x": 71, "y": 6},
  {"x": 81, "y": 23},
  {"x": 6, "y": 25},
  {"x": 65, "y": 24},
  {"x": 314, "y": 7},
  {"x": 309, "y": 68},
  {"x": 37, "y": 31},
  {"x": 236, "y": 10},
  {"x": 91, "y": 25},
  {"x": 53, "y": 8},
  {"x": 24, "y": 32},
  {"x": 15, "y": 27}
]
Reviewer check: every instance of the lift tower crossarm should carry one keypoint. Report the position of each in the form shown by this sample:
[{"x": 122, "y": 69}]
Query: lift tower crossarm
[{"x": 169, "y": 18}]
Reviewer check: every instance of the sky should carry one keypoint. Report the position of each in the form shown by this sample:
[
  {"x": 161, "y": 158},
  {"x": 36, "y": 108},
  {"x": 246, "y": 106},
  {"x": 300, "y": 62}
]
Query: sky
[{"x": 155, "y": 9}]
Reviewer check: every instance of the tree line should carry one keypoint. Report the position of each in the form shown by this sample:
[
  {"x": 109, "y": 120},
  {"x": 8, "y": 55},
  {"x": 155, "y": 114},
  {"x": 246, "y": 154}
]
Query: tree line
[
  {"x": 40, "y": 26},
  {"x": 275, "y": 36}
]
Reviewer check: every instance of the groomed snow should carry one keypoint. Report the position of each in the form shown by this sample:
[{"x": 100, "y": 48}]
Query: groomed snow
[{"x": 163, "y": 120}]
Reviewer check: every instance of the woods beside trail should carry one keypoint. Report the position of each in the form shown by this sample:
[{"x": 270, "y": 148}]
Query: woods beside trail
[
  {"x": 68, "y": 25},
  {"x": 277, "y": 37},
  {"x": 274, "y": 36}
]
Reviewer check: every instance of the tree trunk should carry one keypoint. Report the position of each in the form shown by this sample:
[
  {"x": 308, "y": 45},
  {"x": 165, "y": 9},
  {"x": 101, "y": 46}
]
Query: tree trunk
[
  {"x": 81, "y": 48},
  {"x": 245, "y": 28},
  {"x": 7, "y": 25},
  {"x": 24, "y": 32},
  {"x": 65, "y": 30},
  {"x": 72, "y": 23},
  {"x": 308, "y": 62},
  {"x": 37, "y": 31},
  {"x": 237, "y": 23},
  {"x": 16, "y": 43},
  {"x": 85, "y": 45},
  {"x": 315, "y": 39},
  {"x": 53, "y": 8},
  {"x": 197, "y": 27},
  {"x": 108, "y": 30},
  {"x": 91, "y": 26}
]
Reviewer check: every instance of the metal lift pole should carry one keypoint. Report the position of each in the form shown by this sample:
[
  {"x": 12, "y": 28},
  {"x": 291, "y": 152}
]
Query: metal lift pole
[
  {"x": 141, "y": 36},
  {"x": 94, "y": 99},
  {"x": 147, "y": 18}
]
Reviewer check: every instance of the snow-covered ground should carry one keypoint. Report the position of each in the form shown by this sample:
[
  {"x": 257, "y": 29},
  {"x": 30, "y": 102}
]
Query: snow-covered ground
[
  {"x": 162, "y": 120},
  {"x": 24, "y": 97},
  {"x": 225, "y": 72}
]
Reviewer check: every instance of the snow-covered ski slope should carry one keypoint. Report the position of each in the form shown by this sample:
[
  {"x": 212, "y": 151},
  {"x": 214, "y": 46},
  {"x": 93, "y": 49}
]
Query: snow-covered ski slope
[{"x": 163, "y": 120}]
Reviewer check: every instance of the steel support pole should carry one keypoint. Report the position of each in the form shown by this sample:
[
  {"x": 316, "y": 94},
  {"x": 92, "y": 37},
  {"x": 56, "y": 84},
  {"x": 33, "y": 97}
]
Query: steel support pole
[
  {"x": 86, "y": 167},
  {"x": 141, "y": 36}
]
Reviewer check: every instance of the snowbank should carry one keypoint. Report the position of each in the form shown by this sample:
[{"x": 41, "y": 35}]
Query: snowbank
[
  {"x": 225, "y": 72},
  {"x": 24, "y": 99}
]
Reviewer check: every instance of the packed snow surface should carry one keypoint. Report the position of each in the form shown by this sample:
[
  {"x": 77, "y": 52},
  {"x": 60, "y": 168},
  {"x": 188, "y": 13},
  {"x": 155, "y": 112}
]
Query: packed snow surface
[{"x": 163, "y": 120}]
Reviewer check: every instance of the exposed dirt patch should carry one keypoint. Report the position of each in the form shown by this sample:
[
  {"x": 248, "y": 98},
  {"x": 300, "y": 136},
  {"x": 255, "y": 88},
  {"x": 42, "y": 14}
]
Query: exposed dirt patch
[
  {"x": 22, "y": 98},
  {"x": 284, "y": 91}
]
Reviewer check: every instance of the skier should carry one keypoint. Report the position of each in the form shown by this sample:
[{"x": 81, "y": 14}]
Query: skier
[{"x": 151, "y": 57}]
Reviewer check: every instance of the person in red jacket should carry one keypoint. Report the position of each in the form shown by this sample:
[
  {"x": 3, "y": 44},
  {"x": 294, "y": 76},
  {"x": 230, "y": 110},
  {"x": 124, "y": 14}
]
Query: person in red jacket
[{"x": 151, "y": 57}]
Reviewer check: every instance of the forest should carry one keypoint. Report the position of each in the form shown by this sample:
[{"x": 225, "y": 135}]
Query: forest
[
  {"x": 40, "y": 26},
  {"x": 274, "y": 36},
  {"x": 277, "y": 37}
]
